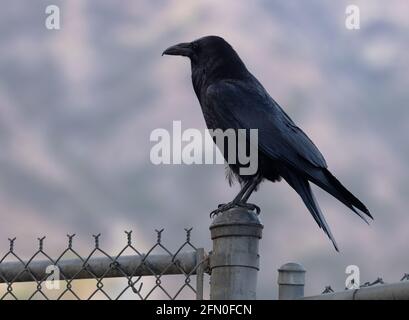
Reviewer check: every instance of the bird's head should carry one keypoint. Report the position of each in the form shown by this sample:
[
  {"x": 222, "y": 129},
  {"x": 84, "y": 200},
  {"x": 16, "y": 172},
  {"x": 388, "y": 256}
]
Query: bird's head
[
  {"x": 201, "y": 50},
  {"x": 212, "y": 55}
]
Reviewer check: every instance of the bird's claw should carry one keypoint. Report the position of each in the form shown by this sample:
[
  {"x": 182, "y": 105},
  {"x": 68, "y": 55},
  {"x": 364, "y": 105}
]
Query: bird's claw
[
  {"x": 226, "y": 206},
  {"x": 221, "y": 208},
  {"x": 250, "y": 206}
]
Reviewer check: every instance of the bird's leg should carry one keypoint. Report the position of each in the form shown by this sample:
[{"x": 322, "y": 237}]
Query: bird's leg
[
  {"x": 236, "y": 200},
  {"x": 241, "y": 199},
  {"x": 250, "y": 190},
  {"x": 243, "y": 202},
  {"x": 240, "y": 194}
]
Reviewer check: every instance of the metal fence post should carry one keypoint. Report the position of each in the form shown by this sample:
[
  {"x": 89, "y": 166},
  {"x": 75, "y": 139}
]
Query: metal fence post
[
  {"x": 234, "y": 261},
  {"x": 200, "y": 260},
  {"x": 291, "y": 281}
]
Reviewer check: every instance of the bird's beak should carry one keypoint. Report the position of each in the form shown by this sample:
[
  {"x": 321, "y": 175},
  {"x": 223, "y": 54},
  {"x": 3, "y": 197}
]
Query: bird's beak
[{"x": 181, "y": 49}]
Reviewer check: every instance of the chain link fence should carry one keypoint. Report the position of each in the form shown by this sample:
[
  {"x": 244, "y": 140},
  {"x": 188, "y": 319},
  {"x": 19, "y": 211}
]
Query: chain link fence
[
  {"x": 128, "y": 274},
  {"x": 291, "y": 282},
  {"x": 162, "y": 273},
  {"x": 377, "y": 281},
  {"x": 159, "y": 273}
]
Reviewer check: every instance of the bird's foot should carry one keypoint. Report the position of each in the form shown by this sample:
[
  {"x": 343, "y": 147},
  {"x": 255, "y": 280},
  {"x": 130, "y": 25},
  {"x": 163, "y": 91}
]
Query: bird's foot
[
  {"x": 222, "y": 207},
  {"x": 226, "y": 206},
  {"x": 249, "y": 206}
]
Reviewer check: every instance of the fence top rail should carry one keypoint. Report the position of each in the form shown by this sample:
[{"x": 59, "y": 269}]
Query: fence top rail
[
  {"x": 98, "y": 267},
  {"x": 393, "y": 291}
]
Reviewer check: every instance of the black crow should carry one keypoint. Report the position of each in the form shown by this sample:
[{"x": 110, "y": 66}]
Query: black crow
[{"x": 232, "y": 98}]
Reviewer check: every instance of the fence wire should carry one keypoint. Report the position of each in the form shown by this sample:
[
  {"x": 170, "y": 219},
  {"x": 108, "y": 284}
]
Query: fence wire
[
  {"x": 143, "y": 275},
  {"x": 378, "y": 281}
]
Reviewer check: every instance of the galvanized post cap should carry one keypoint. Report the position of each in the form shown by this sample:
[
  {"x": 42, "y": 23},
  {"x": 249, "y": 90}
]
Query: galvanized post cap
[
  {"x": 291, "y": 273},
  {"x": 236, "y": 222}
]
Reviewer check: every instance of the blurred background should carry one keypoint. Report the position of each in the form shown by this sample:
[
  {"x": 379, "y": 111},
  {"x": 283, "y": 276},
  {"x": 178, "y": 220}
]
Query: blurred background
[{"x": 77, "y": 107}]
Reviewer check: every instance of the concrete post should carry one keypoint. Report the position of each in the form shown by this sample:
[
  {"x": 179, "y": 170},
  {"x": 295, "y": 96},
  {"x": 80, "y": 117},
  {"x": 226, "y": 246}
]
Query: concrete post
[
  {"x": 291, "y": 281},
  {"x": 234, "y": 261}
]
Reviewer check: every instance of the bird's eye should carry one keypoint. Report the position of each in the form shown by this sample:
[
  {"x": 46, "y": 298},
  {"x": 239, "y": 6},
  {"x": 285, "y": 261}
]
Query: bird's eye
[{"x": 195, "y": 46}]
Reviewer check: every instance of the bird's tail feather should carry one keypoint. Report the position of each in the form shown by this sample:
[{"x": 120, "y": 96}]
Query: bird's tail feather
[
  {"x": 303, "y": 188},
  {"x": 325, "y": 180}
]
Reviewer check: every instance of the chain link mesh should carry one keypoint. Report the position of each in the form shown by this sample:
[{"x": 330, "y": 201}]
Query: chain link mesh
[
  {"x": 138, "y": 275},
  {"x": 378, "y": 281}
]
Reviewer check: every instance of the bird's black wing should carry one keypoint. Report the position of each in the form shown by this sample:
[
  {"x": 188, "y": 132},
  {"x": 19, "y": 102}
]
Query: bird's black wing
[{"x": 246, "y": 105}]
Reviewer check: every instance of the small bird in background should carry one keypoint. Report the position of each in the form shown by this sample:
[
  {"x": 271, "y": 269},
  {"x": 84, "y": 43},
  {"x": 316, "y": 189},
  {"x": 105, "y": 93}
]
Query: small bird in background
[{"x": 232, "y": 98}]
